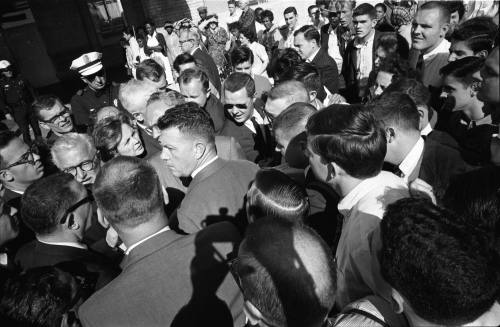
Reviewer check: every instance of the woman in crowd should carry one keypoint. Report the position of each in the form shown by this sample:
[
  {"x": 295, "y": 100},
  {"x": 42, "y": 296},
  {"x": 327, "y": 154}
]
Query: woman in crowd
[
  {"x": 261, "y": 60},
  {"x": 216, "y": 38}
]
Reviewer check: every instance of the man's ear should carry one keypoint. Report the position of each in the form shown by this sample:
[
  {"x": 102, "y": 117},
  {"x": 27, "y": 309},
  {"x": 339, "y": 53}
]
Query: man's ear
[
  {"x": 43, "y": 125},
  {"x": 253, "y": 314},
  {"x": 101, "y": 219},
  {"x": 312, "y": 96},
  {"x": 444, "y": 29},
  {"x": 390, "y": 134},
  {"x": 374, "y": 23},
  {"x": 398, "y": 301},
  {"x": 6, "y": 176},
  {"x": 199, "y": 149},
  {"x": 482, "y": 54}
]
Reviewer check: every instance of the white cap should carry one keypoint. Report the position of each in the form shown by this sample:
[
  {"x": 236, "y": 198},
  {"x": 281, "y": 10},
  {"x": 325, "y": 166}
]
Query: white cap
[
  {"x": 87, "y": 64},
  {"x": 4, "y": 64}
]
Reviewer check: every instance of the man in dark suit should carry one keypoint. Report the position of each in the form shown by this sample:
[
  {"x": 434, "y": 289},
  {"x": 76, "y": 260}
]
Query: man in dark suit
[
  {"x": 167, "y": 279},
  {"x": 190, "y": 43},
  {"x": 188, "y": 141},
  {"x": 58, "y": 210},
  {"x": 307, "y": 42}
]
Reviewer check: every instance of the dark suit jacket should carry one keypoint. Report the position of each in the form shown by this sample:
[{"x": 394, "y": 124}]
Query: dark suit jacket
[
  {"x": 216, "y": 193},
  {"x": 172, "y": 280},
  {"x": 216, "y": 111},
  {"x": 38, "y": 254},
  {"x": 206, "y": 62},
  {"x": 328, "y": 71},
  {"x": 151, "y": 145}
]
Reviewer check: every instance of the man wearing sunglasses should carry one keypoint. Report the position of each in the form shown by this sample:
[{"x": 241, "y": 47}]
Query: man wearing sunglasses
[
  {"x": 97, "y": 93},
  {"x": 59, "y": 211}
]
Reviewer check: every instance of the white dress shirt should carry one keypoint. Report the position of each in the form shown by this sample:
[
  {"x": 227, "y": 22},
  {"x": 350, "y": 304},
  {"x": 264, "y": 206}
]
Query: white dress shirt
[
  {"x": 426, "y": 130},
  {"x": 333, "y": 48},
  {"x": 364, "y": 59},
  {"x": 311, "y": 57},
  {"x": 410, "y": 162},
  {"x": 258, "y": 118}
]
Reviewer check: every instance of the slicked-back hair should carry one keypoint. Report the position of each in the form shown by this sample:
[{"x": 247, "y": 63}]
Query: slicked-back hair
[
  {"x": 190, "y": 74},
  {"x": 181, "y": 59},
  {"x": 282, "y": 64},
  {"x": 190, "y": 119},
  {"x": 350, "y": 136},
  {"x": 289, "y": 10},
  {"x": 149, "y": 69},
  {"x": 5, "y": 138},
  {"x": 169, "y": 99},
  {"x": 310, "y": 33},
  {"x": 413, "y": 88},
  {"x": 396, "y": 110},
  {"x": 478, "y": 35},
  {"x": 128, "y": 192},
  {"x": 240, "y": 55},
  {"x": 236, "y": 81},
  {"x": 365, "y": 9},
  {"x": 444, "y": 270},
  {"x": 107, "y": 135},
  {"x": 292, "y": 120},
  {"x": 278, "y": 277},
  {"x": 293, "y": 90},
  {"x": 44, "y": 102},
  {"x": 46, "y": 200},
  {"x": 462, "y": 69},
  {"x": 275, "y": 194},
  {"x": 445, "y": 13},
  {"x": 308, "y": 74}
]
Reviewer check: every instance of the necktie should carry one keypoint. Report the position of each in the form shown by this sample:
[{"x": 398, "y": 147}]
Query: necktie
[{"x": 421, "y": 65}]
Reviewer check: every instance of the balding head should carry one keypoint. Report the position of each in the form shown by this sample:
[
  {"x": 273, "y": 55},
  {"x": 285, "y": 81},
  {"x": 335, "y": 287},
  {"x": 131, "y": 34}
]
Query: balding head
[
  {"x": 287, "y": 274},
  {"x": 285, "y": 94},
  {"x": 159, "y": 103},
  {"x": 134, "y": 95},
  {"x": 106, "y": 112}
]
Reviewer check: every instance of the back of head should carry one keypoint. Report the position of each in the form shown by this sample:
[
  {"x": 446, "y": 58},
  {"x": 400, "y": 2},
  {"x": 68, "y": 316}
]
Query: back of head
[
  {"x": 396, "y": 110},
  {"x": 45, "y": 201},
  {"x": 350, "y": 136},
  {"x": 287, "y": 273},
  {"x": 160, "y": 102},
  {"x": 149, "y": 69},
  {"x": 189, "y": 119},
  {"x": 394, "y": 44},
  {"x": 275, "y": 194},
  {"x": 413, "y": 88},
  {"x": 107, "y": 134},
  {"x": 237, "y": 81},
  {"x": 442, "y": 270},
  {"x": 44, "y": 102},
  {"x": 241, "y": 55},
  {"x": 134, "y": 95},
  {"x": 310, "y": 33},
  {"x": 182, "y": 59},
  {"x": 292, "y": 121},
  {"x": 71, "y": 142},
  {"x": 463, "y": 69},
  {"x": 365, "y": 9},
  {"x": 444, "y": 11},
  {"x": 128, "y": 192},
  {"x": 292, "y": 91},
  {"x": 188, "y": 75}
]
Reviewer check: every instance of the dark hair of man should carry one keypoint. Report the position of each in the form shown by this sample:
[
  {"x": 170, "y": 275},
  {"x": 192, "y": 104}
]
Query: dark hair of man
[
  {"x": 5, "y": 138},
  {"x": 441, "y": 268},
  {"x": 393, "y": 43},
  {"x": 128, "y": 30},
  {"x": 478, "y": 33},
  {"x": 236, "y": 26},
  {"x": 249, "y": 34},
  {"x": 269, "y": 14},
  {"x": 127, "y": 191},
  {"x": 456, "y": 6},
  {"x": 275, "y": 194},
  {"x": 182, "y": 59},
  {"x": 44, "y": 102},
  {"x": 381, "y": 5},
  {"x": 188, "y": 75},
  {"x": 287, "y": 290},
  {"x": 190, "y": 119},
  {"x": 462, "y": 69},
  {"x": 46, "y": 200},
  {"x": 231, "y": 2},
  {"x": 150, "y": 22},
  {"x": 240, "y": 55},
  {"x": 350, "y": 136},
  {"x": 149, "y": 69},
  {"x": 311, "y": 7},
  {"x": 282, "y": 64},
  {"x": 365, "y": 9},
  {"x": 397, "y": 67},
  {"x": 287, "y": 89},
  {"x": 236, "y": 81},
  {"x": 310, "y": 33},
  {"x": 396, "y": 110},
  {"x": 107, "y": 135},
  {"x": 293, "y": 118},
  {"x": 441, "y": 6},
  {"x": 290, "y": 10},
  {"x": 414, "y": 89},
  {"x": 308, "y": 74}
]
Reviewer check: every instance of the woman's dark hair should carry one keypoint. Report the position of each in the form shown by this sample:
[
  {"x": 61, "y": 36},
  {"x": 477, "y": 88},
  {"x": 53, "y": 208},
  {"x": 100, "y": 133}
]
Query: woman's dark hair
[
  {"x": 249, "y": 34},
  {"x": 282, "y": 64},
  {"x": 393, "y": 44},
  {"x": 107, "y": 135}
]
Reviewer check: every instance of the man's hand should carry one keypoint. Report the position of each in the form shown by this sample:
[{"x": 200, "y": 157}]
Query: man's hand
[{"x": 419, "y": 188}]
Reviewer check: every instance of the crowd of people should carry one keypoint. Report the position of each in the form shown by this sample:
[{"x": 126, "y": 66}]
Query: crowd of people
[{"x": 341, "y": 173}]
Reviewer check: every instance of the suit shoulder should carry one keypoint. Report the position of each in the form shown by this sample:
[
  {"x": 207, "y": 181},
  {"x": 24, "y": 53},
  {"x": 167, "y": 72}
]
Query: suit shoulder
[{"x": 243, "y": 165}]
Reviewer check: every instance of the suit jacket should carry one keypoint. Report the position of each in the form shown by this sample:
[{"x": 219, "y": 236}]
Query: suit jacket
[
  {"x": 38, "y": 254},
  {"x": 328, "y": 71},
  {"x": 205, "y": 61},
  {"x": 216, "y": 111},
  {"x": 216, "y": 193},
  {"x": 151, "y": 145},
  {"x": 247, "y": 20},
  {"x": 172, "y": 280}
]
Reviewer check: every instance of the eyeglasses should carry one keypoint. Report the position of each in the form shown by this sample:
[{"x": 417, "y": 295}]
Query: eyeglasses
[
  {"x": 229, "y": 106},
  {"x": 100, "y": 73},
  {"x": 27, "y": 157},
  {"x": 87, "y": 199},
  {"x": 185, "y": 41},
  {"x": 86, "y": 165},
  {"x": 54, "y": 119}
]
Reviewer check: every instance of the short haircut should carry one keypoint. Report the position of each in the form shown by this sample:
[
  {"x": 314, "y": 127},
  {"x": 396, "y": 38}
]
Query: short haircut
[
  {"x": 128, "y": 192},
  {"x": 282, "y": 64},
  {"x": 183, "y": 58},
  {"x": 441, "y": 6},
  {"x": 290, "y": 10},
  {"x": 309, "y": 75},
  {"x": 267, "y": 13},
  {"x": 231, "y": 2},
  {"x": 342, "y": 3},
  {"x": 249, "y": 34},
  {"x": 394, "y": 44},
  {"x": 44, "y": 102},
  {"x": 236, "y": 26},
  {"x": 292, "y": 121},
  {"x": 188, "y": 75},
  {"x": 149, "y": 69},
  {"x": 169, "y": 99},
  {"x": 275, "y": 194},
  {"x": 240, "y": 55},
  {"x": 365, "y": 9},
  {"x": 68, "y": 142},
  {"x": 456, "y": 6},
  {"x": 396, "y": 110},
  {"x": 442, "y": 269},
  {"x": 295, "y": 91},
  {"x": 397, "y": 67},
  {"x": 310, "y": 33},
  {"x": 107, "y": 135},
  {"x": 478, "y": 34},
  {"x": 46, "y": 200},
  {"x": 5, "y": 138},
  {"x": 417, "y": 91},
  {"x": 311, "y": 7},
  {"x": 190, "y": 119},
  {"x": 462, "y": 69},
  {"x": 350, "y": 136},
  {"x": 381, "y": 5},
  {"x": 236, "y": 81},
  {"x": 134, "y": 94}
]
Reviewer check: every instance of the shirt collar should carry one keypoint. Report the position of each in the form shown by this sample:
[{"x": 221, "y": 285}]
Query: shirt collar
[
  {"x": 426, "y": 130},
  {"x": 411, "y": 160},
  {"x": 352, "y": 198},
  {"x": 358, "y": 44},
  {"x": 197, "y": 170},
  {"x": 444, "y": 46},
  {"x": 133, "y": 246},
  {"x": 311, "y": 57},
  {"x": 70, "y": 244},
  {"x": 258, "y": 118},
  {"x": 194, "y": 49}
]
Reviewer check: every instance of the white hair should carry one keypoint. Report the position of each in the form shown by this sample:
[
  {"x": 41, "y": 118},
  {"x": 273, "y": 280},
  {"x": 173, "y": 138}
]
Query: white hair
[
  {"x": 69, "y": 142},
  {"x": 134, "y": 95}
]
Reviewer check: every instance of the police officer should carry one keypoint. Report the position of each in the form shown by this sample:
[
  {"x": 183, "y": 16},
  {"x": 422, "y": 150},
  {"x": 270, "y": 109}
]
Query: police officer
[
  {"x": 97, "y": 93},
  {"x": 16, "y": 96}
]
